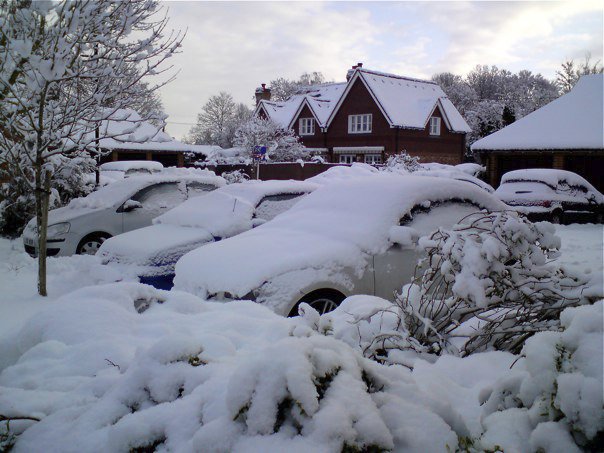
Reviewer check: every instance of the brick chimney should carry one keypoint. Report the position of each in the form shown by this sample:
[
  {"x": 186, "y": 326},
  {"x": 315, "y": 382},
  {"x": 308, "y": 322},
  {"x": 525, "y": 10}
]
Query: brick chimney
[
  {"x": 351, "y": 71},
  {"x": 263, "y": 93}
]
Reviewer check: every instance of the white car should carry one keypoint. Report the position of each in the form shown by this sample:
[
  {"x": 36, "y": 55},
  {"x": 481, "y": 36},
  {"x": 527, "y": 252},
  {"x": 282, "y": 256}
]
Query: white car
[
  {"x": 555, "y": 195},
  {"x": 83, "y": 225},
  {"x": 355, "y": 236},
  {"x": 225, "y": 212}
]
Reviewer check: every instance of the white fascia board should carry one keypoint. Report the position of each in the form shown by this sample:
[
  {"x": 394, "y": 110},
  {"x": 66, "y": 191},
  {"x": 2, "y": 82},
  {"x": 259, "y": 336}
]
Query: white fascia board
[
  {"x": 299, "y": 110},
  {"x": 357, "y": 149}
]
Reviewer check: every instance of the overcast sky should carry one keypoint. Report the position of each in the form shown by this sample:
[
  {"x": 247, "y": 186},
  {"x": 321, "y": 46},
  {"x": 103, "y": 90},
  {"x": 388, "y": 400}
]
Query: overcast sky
[{"x": 236, "y": 46}]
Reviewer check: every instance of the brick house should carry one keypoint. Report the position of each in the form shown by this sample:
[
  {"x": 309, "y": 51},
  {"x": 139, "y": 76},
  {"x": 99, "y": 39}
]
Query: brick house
[
  {"x": 566, "y": 134},
  {"x": 371, "y": 116}
]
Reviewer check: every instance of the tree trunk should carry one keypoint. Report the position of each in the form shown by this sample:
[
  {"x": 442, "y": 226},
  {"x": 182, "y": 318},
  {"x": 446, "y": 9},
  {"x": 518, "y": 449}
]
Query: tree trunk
[{"x": 42, "y": 204}]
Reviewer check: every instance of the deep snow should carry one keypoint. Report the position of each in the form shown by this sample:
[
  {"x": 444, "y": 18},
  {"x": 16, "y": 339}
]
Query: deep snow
[{"x": 236, "y": 377}]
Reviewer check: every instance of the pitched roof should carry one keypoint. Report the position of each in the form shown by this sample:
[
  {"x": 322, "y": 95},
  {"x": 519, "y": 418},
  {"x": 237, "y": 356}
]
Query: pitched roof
[
  {"x": 405, "y": 102},
  {"x": 319, "y": 98},
  {"x": 573, "y": 121}
]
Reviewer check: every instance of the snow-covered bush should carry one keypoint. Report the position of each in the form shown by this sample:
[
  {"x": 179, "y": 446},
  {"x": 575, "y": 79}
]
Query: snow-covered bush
[
  {"x": 235, "y": 176},
  {"x": 556, "y": 405},
  {"x": 486, "y": 284},
  {"x": 402, "y": 163},
  {"x": 282, "y": 145},
  {"x": 71, "y": 178},
  {"x": 182, "y": 374}
]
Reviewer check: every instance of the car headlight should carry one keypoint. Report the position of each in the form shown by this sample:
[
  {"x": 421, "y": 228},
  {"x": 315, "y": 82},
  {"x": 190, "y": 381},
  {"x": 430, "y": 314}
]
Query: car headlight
[{"x": 58, "y": 229}]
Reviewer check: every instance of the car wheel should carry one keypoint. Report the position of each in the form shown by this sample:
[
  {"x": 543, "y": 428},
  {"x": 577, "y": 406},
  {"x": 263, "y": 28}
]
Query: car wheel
[
  {"x": 91, "y": 243},
  {"x": 323, "y": 301},
  {"x": 556, "y": 217}
]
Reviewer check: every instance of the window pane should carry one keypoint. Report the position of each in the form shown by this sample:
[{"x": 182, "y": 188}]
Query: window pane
[{"x": 273, "y": 205}]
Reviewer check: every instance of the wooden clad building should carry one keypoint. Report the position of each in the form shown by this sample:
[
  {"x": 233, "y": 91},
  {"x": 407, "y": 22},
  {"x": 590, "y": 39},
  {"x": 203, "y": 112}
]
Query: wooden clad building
[{"x": 371, "y": 116}]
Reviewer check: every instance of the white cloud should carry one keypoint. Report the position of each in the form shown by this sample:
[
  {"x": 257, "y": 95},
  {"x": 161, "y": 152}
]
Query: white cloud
[{"x": 236, "y": 46}]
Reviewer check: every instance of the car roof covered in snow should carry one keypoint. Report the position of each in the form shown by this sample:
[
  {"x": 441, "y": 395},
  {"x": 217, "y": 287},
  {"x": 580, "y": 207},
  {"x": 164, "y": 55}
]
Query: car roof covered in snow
[
  {"x": 337, "y": 224},
  {"x": 548, "y": 176},
  {"x": 118, "y": 191},
  {"x": 229, "y": 210},
  {"x": 573, "y": 121},
  {"x": 132, "y": 165}
]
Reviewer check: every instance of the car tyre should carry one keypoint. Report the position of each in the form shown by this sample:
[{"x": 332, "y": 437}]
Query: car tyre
[
  {"x": 90, "y": 244},
  {"x": 323, "y": 301},
  {"x": 556, "y": 217}
]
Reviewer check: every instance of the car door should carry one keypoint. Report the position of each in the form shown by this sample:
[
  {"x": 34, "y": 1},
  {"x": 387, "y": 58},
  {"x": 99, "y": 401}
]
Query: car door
[
  {"x": 151, "y": 202},
  {"x": 396, "y": 266}
]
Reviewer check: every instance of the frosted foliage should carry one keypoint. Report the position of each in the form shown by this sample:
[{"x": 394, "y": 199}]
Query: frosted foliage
[
  {"x": 487, "y": 283},
  {"x": 402, "y": 163},
  {"x": 282, "y": 145},
  {"x": 182, "y": 374},
  {"x": 558, "y": 399}
]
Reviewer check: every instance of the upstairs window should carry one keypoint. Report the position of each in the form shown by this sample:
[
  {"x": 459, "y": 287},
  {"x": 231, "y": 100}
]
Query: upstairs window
[
  {"x": 307, "y": 126},
  {"x": 359, "y": 124},
  {"x": 435, "y": 125}
]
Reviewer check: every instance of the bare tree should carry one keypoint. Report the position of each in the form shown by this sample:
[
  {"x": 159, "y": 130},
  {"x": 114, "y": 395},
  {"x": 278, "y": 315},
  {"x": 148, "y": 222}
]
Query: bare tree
[
  {"x": 220, "y": 117},
  {"x": 282, "y": 89},
  {"x": 569, "y": 73},
  {"x": 64, "y": 68}
]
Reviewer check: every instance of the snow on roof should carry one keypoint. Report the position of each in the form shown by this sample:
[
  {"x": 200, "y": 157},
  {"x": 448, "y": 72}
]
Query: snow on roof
[
  {"x": 406, "y": 102},
  {"x": 132, "y": 165},
  {"x": 126, "y": 130},
  {"x": 573, "y": 121},
  {"x": 327, "y": 228},
  {"x": 409, "y": 102},
  {"x": 229, "y": 210}
]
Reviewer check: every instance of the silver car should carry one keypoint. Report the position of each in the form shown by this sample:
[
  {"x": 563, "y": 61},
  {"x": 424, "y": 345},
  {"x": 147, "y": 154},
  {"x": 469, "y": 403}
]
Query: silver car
[
  {"x": 351, "y": 237},
  {"x": 83, "y": 225}
]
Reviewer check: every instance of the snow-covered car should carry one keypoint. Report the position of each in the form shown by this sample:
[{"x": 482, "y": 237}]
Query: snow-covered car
[
  {"x": 115, "y": 171},
  {"x": 228, "y": 211},
  {"x": 83, "y": 225},
  {"x": 354, "y": 236},
  {"x": 555, "y": 195}
]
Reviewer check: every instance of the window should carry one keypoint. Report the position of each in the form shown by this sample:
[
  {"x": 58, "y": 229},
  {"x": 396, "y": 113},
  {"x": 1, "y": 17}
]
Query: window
[
  {"x": 160, "y": 196},
  {"x": 435, "y": 125},
  {"x": 347, "y": 158},
  {"x": 428, "y": 217},
  {"x": 273, "y": 205},
  {"x": 307, "y": 126},
  {"x": 359, "y": 124},
  {"x": 373, "y": 159},
  {"x": 195, "y": 188}
]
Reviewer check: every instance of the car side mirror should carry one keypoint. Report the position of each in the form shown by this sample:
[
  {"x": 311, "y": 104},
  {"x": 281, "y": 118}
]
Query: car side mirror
[
  {"x": 131, "y": 205},
  {"x": 404, "y": 236},
  {"x": 257, "y": 222}
]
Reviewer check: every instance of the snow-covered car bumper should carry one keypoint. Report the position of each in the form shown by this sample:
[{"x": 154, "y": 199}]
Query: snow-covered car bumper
[{"x": 62, "y": 245}]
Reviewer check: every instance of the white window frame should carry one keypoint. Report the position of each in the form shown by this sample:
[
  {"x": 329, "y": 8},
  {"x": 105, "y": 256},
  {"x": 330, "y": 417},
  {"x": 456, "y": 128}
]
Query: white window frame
[
  {"x": 360, "y": 124},
  {"x": 347, "y": 158},
  {"x": 373, "y": 159},
  {"x": 435, "y": 125},
  {"x": 306, "y": 126}
]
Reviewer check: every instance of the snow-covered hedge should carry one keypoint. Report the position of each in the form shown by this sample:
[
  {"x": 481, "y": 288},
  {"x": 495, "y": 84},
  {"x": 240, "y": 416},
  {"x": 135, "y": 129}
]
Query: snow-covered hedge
[
  {"x": 556, "y": 405},
  {"x": 181, "y": 374}
]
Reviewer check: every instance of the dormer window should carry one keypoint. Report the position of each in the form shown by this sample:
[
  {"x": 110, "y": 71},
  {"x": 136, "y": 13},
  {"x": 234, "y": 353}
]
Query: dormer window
[
  {"x": 360, "y": 124},
  {"x": 307, "y": 126},
  {"x": 435, "y": 125}
]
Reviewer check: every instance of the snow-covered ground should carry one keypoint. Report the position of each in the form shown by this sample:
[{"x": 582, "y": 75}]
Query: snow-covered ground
[{"x": 188, "y": 375}]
